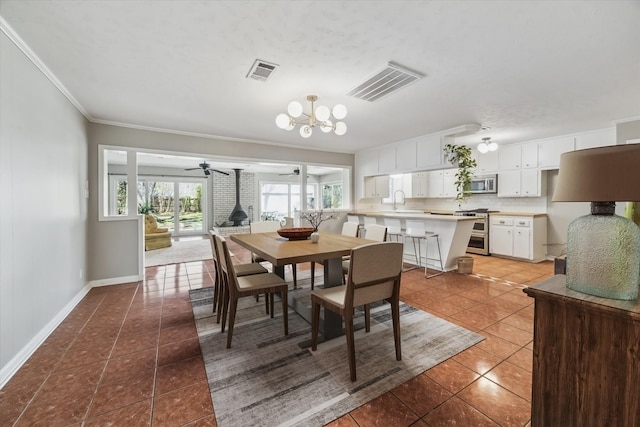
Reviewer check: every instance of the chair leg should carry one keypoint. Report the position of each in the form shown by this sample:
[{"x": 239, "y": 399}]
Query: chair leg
[
  {"x": 225, "y": 309},
  {"x": 266, "y": 303},
  {"x": 367, "y": 318},
  {"x": 313, "y": 273},
  {"x": 315, "y": 321},
  {"x": 395, "y": 315},
  {"x": 285, "y": 311},
  {"x": 351, "y": 348},
  {"x": 294, "y": 271},
  {"x": 216, "y": 289},
  {"x": 270, "y": 299},
  {"x": 232, "y": 319}
]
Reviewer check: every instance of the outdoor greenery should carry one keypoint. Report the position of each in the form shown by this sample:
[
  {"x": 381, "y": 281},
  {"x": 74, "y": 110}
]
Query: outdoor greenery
[{"x": 461, "y": 154}]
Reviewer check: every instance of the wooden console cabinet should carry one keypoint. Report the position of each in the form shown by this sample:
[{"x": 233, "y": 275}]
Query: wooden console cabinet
[{"x": 586, "y": 358}]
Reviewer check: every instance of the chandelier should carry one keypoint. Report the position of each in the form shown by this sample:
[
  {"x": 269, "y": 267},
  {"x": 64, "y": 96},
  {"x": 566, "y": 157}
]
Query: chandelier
[
  {"x": 318, "y": 117},
  {"x": 486, "y": 145}
]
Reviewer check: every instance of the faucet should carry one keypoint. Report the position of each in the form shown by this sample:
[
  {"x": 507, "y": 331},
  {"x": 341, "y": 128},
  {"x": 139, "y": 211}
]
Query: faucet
[{"x": 394, "y": 198}]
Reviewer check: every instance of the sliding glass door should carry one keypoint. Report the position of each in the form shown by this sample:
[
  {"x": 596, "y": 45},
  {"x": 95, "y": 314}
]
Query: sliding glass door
[{"x": 177, "y": 203}]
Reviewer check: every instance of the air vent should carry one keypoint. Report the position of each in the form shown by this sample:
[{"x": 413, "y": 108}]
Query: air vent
[
  {"x": 261, "y": 70},
  {"x": 386, "y": 81}
]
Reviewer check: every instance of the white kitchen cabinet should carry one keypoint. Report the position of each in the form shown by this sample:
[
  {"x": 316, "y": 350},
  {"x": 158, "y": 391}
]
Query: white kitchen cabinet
[
  {"x": 520, "y": 183},
  {"x": 376, "y": 186},
  {"x": 518, "y": 156},
  {"x": 598, "y": 138},
  {"x": 387, "y": 159},
  {"x": 441, "y": 183},
  {"x": 429, "y": 152},
  {"x": 419, "y": 184},
  {"x": 523, "y": 237},
  {"x": 487, "y": 163},
  {"x": 549, "y": 151},
  {"x": 406, "y": 156}
]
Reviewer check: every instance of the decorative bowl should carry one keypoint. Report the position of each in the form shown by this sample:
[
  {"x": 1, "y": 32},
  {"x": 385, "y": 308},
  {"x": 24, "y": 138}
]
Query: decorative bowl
[{"x": 299, "y": 233}]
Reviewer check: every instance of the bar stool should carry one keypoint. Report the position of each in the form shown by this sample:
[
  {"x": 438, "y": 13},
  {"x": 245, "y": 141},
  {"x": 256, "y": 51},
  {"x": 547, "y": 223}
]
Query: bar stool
[
  {"x": 416, "y": 230},
  {"x": 356, "y": 219},
  {"x": 394, "y": 229},
  {"x": 368, "y": 220}
]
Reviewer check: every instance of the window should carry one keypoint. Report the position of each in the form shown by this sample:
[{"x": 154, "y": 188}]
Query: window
[
  {"x": 283, "y": 199},
  {"x": 117, "y": 169},
  {"x": 332, "y": 196}
]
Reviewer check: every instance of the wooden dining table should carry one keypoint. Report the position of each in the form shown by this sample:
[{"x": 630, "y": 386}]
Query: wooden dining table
[{"x": 329, "y": 251}]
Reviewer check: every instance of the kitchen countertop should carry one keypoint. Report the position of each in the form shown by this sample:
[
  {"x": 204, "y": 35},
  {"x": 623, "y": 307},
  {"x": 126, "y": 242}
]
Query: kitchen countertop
[
  {"x": 529, "y": 214},
  {"x": 413, "y": 215}
]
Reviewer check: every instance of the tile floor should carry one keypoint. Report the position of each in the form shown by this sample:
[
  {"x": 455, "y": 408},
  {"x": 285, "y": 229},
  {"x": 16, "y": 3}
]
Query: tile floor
[{"x": 128, "y": 355}]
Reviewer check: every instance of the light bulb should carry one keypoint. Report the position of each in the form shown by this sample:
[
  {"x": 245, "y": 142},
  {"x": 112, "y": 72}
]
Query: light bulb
[
  {"x": 306, "y": 131},
  {"x": 492, "y": 146},
  {"x": 339, "y": 112},
  {"x": 294, "y": 109},
  {"x": 322, "y": 113},
  {"x": 483, "y": 148},
  {"x": 283, "y": 121},
  {"x": 341, "y": 128},
  {"x": 327, "y": 126}
]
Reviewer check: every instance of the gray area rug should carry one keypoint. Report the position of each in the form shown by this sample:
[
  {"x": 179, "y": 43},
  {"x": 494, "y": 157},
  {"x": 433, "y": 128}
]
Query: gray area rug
[
  {"x": 183, "y": 251},
  {"x": 268, "y": 379}
]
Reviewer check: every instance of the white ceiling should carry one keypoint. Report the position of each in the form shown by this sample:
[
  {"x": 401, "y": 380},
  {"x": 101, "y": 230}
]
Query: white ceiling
[{"x": 526, "y": 69}]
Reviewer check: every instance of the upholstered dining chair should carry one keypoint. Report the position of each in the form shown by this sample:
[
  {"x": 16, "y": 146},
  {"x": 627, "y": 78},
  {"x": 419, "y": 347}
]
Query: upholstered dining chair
[
  {"x": 240, "y": 270},
  {"x": 268, "y": 227},
  {"x": 242, "y": 286},
  {"x": 376, "y": 233},
  {"x": 374, "y": 275},
  {"x": 348, "y": 229}
]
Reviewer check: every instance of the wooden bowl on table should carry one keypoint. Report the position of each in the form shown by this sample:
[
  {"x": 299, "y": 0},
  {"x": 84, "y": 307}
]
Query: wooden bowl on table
[{"x": 299, "y": 233}]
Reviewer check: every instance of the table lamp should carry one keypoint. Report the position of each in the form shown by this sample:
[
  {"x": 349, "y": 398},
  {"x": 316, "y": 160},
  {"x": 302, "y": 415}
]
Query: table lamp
[{"x": 603, "y": 249}]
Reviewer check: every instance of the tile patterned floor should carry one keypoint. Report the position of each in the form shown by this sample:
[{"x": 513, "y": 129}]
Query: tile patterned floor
[{"x": 128, "y": 355}]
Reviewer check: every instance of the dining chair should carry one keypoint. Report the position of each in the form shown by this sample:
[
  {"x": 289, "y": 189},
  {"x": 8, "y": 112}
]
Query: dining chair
[
  {"x": 374, "y": 276},
  {"x": 375, "y": 232},
  {"x": 242, "y": 286},
  {"x": 356, "y": 219},
  {"x": 240, "y": 270},
  {"x": 348, "y": 229},
  {"x": 268, "y": 227}
]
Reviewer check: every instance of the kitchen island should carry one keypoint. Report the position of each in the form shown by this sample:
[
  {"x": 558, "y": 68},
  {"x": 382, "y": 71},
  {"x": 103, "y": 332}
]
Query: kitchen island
[{"x": 454, "y": 233}]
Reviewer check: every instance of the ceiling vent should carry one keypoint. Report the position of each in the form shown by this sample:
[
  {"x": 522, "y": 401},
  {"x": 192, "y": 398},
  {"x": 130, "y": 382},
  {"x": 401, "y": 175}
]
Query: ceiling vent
[
  {"x": 384, "y": 82},
  {"x": 261, "y": 70}
]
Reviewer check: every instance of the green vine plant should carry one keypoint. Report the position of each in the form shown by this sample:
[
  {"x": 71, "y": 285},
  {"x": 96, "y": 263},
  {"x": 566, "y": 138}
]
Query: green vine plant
[{"x": 461, "y": 154}]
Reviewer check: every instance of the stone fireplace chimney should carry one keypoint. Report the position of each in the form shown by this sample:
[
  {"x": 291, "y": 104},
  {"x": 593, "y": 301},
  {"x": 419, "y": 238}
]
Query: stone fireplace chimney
[{"x": 237, "y": 214}]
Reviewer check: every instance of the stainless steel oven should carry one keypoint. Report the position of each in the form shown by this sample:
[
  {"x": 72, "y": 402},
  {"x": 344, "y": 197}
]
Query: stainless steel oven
[{"x": 479, "y": 240}]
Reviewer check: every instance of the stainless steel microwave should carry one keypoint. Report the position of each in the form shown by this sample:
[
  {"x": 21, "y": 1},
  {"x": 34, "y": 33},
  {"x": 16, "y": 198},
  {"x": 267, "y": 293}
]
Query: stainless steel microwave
[{"x": 484, "y": 184}]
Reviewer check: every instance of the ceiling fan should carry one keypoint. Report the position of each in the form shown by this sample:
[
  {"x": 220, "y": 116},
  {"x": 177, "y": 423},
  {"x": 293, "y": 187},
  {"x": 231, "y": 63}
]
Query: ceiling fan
[
  {"x": 206, "y": 169},
  {"x": 296, "y": 172}
]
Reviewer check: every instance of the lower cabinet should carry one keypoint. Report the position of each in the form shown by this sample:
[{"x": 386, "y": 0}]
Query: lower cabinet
[{"x": 518, "y": 236}]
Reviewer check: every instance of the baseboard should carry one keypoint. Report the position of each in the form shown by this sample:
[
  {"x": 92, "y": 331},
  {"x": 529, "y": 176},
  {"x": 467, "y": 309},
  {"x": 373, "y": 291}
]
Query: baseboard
[
  {"x": 9, "y": 370},
  {"x": 115, "y": 281}
]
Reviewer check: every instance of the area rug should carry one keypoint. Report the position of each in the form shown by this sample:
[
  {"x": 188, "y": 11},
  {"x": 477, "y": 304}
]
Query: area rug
[
  {"x": 268, "y": 379},
  {"x": 182, "y": 251}
]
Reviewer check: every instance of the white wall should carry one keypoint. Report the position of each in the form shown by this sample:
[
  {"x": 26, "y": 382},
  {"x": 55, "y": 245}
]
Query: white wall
[{"x": 43, "y": 211}]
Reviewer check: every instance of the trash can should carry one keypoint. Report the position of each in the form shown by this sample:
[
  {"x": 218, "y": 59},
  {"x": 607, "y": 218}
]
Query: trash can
[{"x": 465, "y": 265}]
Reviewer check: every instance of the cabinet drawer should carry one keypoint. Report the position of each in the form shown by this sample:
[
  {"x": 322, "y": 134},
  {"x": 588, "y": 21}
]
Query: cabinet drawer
[
  {"x": 501, "y": 221},
  {"x": 523, "y": 222}
]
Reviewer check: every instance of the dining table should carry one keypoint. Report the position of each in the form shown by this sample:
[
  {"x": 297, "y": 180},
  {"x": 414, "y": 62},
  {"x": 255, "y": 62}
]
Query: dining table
[{"x": 329, "y": 250}]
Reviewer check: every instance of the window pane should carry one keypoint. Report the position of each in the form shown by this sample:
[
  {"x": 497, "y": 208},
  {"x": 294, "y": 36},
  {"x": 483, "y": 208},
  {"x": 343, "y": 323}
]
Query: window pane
[{"x": 190, "y": 206}]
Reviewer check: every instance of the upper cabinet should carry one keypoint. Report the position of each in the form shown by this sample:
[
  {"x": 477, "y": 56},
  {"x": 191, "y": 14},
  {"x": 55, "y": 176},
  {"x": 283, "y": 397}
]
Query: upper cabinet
[
  {"x": 429, "y": 152},
  {"x": 549, "y": 151},
  {"x": 406, "y": 156},
  {"x": 518, "y": 156},
  {"x": 487, "y": 162},
  {"x": 387, "y": 159},
  {"x": 599, "y": 138},
  {"x": 376, "y": 186}
]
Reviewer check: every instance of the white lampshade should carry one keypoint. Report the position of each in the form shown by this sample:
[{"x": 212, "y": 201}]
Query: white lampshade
[
  {"x": 328, "y": 126},
  {"x": 492, "y": 146},
  {"x": 341, "y": 128},
  {"x": 306, "y": 131},
  {"x": 294, "y": 109},
  {"x": 322, "y": 113},
  {"x": 283, "y": 121},
  {"x": 339, "y": 112},
  {"x": 483, "y": 148}
]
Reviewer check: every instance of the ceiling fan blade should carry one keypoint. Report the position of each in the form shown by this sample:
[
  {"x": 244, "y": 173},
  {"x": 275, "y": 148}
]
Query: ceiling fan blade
[
  {"x": 222, "y": 172},
  {"x": 192, "y": 169}
]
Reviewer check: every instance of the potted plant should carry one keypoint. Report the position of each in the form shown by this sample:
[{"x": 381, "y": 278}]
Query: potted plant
[{"x": 461, "y": 154}]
